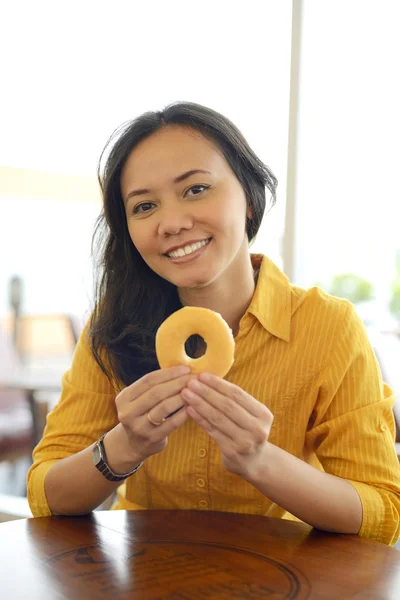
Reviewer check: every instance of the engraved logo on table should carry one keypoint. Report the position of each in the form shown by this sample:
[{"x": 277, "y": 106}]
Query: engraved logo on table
[{"x": 180, "y": 571}]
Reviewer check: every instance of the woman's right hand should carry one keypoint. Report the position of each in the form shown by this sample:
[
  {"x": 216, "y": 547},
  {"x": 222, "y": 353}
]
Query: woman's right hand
[{"x": 157, "y": 394}]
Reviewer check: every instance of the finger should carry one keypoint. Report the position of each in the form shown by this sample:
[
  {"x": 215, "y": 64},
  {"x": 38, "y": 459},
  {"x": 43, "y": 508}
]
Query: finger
[
  {"x": 147, "y": 382},
  {"x": 157, "y": 394},
  {"x": 170, "y": 424},
  {"x": 167, "y": 408},
  {"x": 161, "y": 393},
  {"x": 235, "y": 392},
  {"x": 218, "y": 436},
  {"x": 226, "y": 406},
  {"x": 212, "y": 415}
]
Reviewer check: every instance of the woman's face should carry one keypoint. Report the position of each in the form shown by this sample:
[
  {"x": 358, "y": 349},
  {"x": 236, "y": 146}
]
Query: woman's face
[{"x": 185, "y": 208}]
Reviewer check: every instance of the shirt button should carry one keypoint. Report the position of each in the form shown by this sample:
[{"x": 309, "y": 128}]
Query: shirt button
[
  {"x": 201, "y": 482},
  {"x": 203, "y": 504},
  {"x": 202, "y": 452},
  {"x": 382, "y": 427}
]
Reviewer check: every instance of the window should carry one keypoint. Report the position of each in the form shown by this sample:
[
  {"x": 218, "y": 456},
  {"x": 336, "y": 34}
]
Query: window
[{"x": 347, "y": 208}]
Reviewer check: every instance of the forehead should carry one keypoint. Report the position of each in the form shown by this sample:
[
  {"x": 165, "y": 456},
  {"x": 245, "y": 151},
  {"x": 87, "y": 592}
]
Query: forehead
[{"x": 168, "y": 153}]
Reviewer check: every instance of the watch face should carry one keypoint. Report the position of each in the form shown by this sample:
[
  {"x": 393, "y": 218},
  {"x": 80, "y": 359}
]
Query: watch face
[{"x": 96, "y": 454}]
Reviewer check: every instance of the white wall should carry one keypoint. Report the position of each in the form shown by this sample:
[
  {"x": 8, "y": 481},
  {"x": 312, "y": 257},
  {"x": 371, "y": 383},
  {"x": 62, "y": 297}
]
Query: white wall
[{"x": 76, "y": 70}]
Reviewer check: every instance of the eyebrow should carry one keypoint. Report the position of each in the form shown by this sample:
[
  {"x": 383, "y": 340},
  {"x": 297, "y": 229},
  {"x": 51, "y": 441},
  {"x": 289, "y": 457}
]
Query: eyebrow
[{"x": 176, "y": 180}]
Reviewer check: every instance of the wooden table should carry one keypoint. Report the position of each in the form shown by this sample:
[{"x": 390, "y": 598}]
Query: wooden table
[{"x": 189, "y": 555}]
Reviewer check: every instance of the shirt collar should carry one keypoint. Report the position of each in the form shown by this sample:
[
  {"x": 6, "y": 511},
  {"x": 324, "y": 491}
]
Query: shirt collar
[{"x": 271, "y": 303}]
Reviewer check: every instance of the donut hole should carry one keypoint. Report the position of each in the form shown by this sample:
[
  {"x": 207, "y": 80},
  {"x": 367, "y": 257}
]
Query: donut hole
[{"x": 195, "y": 346}]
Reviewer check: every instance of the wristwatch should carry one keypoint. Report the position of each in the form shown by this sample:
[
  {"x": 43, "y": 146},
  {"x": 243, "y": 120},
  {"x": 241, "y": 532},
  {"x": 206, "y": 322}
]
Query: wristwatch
[{"x": 100, "y": 462}]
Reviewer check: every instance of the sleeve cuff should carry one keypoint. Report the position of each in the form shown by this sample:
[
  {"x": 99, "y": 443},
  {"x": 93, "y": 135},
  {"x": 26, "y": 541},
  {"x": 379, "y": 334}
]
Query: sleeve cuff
[
  {"x": 374, "y": 524},
  {"x": 36, "y": 494}
]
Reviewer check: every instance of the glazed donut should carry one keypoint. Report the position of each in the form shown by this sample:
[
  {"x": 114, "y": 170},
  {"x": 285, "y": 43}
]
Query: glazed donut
[{"x": 174, "y": 332}]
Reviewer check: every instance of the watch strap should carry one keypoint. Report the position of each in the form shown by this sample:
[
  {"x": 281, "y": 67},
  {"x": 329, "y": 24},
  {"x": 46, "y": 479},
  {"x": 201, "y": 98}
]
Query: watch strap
[{"x": 101, "y": 464}]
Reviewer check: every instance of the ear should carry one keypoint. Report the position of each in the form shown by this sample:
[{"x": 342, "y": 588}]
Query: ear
[{"x": 249, "y": 212}]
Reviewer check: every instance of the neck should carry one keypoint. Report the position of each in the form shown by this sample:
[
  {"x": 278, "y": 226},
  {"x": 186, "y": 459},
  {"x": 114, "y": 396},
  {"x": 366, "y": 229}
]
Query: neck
[{"x": 230, "y": 294}]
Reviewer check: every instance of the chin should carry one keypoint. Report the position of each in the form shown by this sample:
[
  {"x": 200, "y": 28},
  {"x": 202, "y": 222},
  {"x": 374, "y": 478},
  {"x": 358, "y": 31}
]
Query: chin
[
  {"x": 196, "y": 284},
  {"x": 196, "y": 280},
  {"x": 191, "y": 278},
  {"x": 190, "y": 282}
]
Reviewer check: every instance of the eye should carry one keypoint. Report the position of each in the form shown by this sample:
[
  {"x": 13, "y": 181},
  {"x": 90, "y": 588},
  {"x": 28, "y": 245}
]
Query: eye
[
  {"x": 143, "y": 207},
  {"x": 196, "y": 189}
]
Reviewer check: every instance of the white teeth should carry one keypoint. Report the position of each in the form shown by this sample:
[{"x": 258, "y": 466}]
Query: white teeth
[{"x": 187, "y": 249}]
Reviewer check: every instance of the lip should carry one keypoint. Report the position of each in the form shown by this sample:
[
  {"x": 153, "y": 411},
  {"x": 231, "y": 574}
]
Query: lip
[
  {"x": 188, "y": 243},
  {"x": 189, "y": 257}
]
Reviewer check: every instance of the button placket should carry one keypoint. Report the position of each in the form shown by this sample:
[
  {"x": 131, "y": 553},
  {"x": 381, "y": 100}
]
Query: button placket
[{"x": 202, "y": 475}]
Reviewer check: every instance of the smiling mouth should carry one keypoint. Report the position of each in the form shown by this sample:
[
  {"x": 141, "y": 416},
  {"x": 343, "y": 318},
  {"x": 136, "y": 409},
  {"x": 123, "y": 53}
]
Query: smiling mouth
[{"x": 188, "y": 250}]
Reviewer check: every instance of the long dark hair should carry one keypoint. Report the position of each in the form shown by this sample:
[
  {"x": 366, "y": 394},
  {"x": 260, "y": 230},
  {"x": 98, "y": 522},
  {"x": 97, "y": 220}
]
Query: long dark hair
[{"x": 131, "y": 301}]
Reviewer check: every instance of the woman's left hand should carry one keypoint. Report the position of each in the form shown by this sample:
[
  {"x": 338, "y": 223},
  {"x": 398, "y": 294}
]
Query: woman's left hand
[{"x": 238, "y": 423}]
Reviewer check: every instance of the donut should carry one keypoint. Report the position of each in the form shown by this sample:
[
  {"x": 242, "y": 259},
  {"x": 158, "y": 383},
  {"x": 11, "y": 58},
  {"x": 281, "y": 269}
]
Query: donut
[{"x": 189, "y": 320}]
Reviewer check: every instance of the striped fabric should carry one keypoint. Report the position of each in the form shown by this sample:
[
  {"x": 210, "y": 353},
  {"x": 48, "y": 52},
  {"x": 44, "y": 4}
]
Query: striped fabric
[{"x": 302, "y": 353}]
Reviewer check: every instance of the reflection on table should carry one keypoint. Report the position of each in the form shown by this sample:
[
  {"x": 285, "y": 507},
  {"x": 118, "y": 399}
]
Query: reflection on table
[{"x": 189, "y": 555}]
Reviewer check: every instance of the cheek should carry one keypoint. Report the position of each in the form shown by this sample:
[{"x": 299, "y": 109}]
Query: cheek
[
  {"x": 140, "y": 237},
  {"x": 234, "y": 219},
  {"x": 230, "y": 210}
]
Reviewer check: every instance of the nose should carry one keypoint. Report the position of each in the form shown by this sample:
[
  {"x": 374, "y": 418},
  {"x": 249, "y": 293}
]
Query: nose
[{"x": 173, "y": 221}]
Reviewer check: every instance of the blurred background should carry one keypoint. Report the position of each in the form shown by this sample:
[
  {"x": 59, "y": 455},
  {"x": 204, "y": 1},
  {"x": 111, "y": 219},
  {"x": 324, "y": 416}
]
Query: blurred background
[{"x": 312, "y": 85}]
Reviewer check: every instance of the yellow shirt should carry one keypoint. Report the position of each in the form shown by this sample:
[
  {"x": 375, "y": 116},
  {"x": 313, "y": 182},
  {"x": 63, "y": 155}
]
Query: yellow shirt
[{"x": 302, "y": 353}]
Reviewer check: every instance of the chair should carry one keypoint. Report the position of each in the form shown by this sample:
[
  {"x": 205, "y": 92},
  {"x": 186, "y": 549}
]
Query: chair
[
  {"x": 16, "y": 433},
  {"x": 43, "y": 342}
]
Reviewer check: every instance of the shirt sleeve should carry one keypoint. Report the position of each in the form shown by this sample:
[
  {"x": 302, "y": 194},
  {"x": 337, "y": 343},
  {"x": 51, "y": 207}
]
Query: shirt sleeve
[
  {"x": 86, "y": 409},
  {"x": 352, "y": 430}
]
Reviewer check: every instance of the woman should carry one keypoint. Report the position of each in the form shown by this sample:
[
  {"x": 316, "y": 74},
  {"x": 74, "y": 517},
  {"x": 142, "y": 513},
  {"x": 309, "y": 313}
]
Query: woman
[{"x": 302, "y": 424}]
